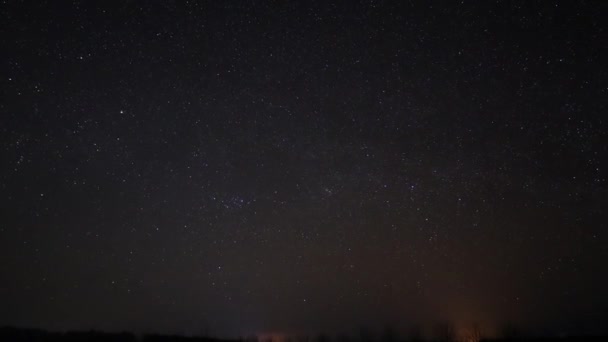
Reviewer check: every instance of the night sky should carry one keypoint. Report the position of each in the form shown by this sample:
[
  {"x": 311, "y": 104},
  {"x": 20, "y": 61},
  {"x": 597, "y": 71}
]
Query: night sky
[{"x": 244, "y": 167}]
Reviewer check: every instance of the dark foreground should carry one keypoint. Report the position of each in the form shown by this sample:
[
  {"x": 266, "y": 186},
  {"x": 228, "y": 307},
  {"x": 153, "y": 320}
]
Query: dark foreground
[{"x": 38, "y": 335}]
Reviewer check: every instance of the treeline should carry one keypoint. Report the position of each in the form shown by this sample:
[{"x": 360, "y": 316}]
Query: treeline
[
  {"x": 39, "y": 335},
  {"x": 14, "y": 334}
]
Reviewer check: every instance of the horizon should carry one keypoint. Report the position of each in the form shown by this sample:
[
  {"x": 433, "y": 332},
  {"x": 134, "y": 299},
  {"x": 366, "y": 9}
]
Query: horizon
[{"x": 389, "y": 334}]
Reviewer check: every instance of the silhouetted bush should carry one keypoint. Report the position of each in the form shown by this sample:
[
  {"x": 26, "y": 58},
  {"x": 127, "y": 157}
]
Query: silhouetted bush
[{"x": 37, "y": 335}]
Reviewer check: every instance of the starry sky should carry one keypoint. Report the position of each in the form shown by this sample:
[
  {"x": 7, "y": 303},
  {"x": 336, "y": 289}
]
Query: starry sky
[{"x": 247, "y": 167}]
